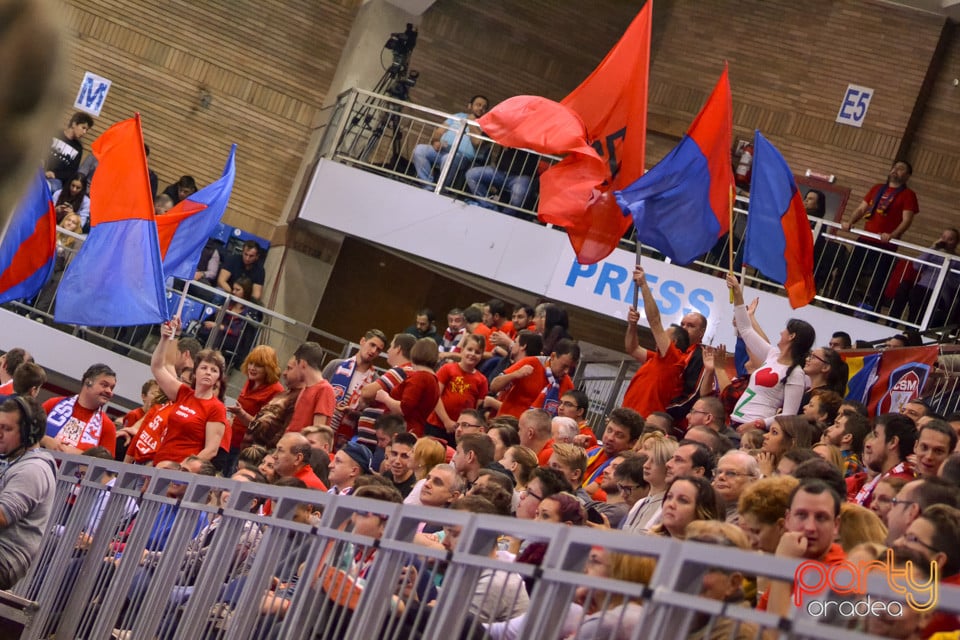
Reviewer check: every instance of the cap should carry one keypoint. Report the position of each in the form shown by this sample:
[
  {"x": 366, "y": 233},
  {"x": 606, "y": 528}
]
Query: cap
[{"x": 360, "y": 454}]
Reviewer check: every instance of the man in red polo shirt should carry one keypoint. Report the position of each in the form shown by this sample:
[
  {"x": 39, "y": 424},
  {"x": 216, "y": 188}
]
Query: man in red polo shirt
[
  {"x": 78, "y": 423},
  {"x": 293, "y": 460},
  {"x": 537, "y": 382}
]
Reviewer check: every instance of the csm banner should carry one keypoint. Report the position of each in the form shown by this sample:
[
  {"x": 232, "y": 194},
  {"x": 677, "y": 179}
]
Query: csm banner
[{"x": 607, "y": 287}]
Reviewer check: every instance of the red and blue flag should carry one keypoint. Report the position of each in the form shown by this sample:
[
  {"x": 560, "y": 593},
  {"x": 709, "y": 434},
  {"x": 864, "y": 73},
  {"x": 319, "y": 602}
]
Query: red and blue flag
[
  {"x": 116, "y": 279},
  {"x": 29, "y": 247},
  {"x": 779, "y": 242},
  {"x": 183, "y": 231},
  {"x": 682, "y": 205}
]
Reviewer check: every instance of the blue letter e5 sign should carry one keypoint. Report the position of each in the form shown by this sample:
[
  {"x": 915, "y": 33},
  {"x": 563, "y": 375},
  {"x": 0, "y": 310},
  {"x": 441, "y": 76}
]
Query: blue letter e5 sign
[{"x": 854, "y": 107}]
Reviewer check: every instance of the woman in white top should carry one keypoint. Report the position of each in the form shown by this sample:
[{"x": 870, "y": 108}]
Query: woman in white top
[
  {"x": 646, "y": 512},
  {"x": 777, "y": 386}
]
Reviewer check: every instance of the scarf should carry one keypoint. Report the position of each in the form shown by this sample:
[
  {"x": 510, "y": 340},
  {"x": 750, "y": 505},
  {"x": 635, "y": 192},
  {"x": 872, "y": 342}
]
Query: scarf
[
  {"x": 451, "y": 340},
  {"x": 70, "y": 430},
  {"x": 866, "y": 491},
  {"x": 551, "y": 392},
  {"x": 883, "y": 200},
  {"x": 341, "y": 378}
]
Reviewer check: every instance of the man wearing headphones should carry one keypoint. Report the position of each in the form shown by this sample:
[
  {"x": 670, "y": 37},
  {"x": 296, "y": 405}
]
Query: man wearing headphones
[
  {"x": 78, "y": 423},
  {"x": 26, "y": 486}
]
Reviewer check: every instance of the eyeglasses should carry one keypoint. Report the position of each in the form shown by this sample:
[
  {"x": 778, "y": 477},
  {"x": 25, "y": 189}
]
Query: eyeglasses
[
  {"x": 706, "y": 413},
  {"x": 913, "y": 539},
  {"x": 816, "y": 357},
  {"x": 571, "y": 405},
  {"x": 896, "y": 501},
  {"x": 732, "y": 474},
  {"x": 527, "y": 492},
  {"x": 627, "y": 488},
  {"x": 468, "y": 425}
]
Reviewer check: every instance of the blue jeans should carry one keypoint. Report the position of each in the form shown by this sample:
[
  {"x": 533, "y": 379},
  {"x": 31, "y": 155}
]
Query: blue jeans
[
  {"x": 481, "y": 179},
  {"x": 426, "y": 160}
]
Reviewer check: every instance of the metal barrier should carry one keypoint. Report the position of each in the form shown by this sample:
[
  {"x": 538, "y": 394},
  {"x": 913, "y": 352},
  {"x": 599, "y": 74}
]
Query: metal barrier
[
  {"x": 135, "y": 552},
  {"x": 218, "y": 319}
]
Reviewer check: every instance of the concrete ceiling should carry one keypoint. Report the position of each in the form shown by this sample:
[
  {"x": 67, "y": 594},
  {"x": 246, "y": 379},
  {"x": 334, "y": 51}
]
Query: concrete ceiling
[{"x": 947, "y": 8}]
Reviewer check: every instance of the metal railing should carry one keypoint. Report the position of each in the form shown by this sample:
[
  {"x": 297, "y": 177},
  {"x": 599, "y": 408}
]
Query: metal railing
[
  {"x": 218, "y": 319},
  {"x": 381, "y": 134},
  {"x": 137, "y": 552}
]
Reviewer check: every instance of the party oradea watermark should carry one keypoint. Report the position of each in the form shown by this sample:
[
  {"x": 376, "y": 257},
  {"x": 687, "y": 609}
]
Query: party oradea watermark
[{"x": 918, "y": 590}]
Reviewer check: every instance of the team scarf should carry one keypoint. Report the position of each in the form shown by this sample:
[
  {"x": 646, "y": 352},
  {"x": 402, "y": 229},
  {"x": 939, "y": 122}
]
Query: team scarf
[
  {"x": 73, "y": 431},
  {"x": 341, "y": 378},
  {"x": 451, "y": 340},
  {"x": 867, "y": 490},
  {"x": 551, "y": 392},
  {"x": 883, "y": 200}
]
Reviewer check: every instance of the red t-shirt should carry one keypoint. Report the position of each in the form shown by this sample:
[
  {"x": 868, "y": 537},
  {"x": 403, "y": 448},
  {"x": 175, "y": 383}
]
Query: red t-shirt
[
  {"x": 587, "y": 430},
  {"x": 418, "y": 396},
  {"x": 6, "y": 388},
  {"x": 461, "y": 390},
  {"x": 150, "y": 433},
  {"x": 834, "y": 555},
  {"x": 317, "y": 398},
  {"x": 186, "y": 433},
  {"x": 887, "y": 218},
  {"x": 310, "y": 478},
  {"x": 77, "y": 430},
  {"x": 251, "y": 401},
  {"x": 525, "y": 392},
  {"x": 544, "y": 455},
  {"x": 485, "y": 331},
  {"x": 658, "y": 381},
  {"x": 131, "y": 418}
]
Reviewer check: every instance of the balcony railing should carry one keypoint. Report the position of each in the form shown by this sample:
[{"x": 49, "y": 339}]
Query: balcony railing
[{"x": 379, "y": 134}]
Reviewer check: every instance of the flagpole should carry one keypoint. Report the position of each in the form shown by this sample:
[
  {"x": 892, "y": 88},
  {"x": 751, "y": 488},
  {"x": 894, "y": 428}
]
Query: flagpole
[
  {"x": 183, "y": 299},
  {"x": 636, "y": 289},
  {"x": 730, "y": 240}
]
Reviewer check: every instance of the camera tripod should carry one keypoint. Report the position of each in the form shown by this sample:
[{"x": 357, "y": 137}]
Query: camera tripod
[{"x": 374, "y": 116}]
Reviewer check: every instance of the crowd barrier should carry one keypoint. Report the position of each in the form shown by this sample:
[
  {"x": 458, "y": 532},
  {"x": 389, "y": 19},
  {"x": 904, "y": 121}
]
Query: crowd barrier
[{"x": 310, "y": 569}]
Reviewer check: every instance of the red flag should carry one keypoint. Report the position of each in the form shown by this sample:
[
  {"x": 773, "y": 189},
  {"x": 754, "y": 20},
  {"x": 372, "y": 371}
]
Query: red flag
[
  {"x": 574, "y": 193},
  {"x": 901, "y": 377}
]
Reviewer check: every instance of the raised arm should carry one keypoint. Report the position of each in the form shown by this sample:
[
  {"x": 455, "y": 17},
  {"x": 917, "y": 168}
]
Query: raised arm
[
  {"x": 650, "y": 308},
  {"x": 160, "y": 365},
  {"x": 756, "y": 345}
]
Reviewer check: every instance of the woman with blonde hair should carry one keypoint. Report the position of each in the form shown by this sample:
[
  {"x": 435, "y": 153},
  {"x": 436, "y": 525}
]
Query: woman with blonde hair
[
  {"x": 617, "y": 616},
  {"x": 427, "y": 454},
  {"x": 831, "y": 454},
  {"x": 859, "y": 525},
  {"x": 645, "y": 513},
  {"x": 520, "y": 461}
]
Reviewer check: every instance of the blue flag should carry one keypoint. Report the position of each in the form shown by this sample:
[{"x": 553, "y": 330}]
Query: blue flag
[
  {"x": 184, "y": 229},
  {"x": 29, "y": 246},
  {"x": 116, "y": 279}
]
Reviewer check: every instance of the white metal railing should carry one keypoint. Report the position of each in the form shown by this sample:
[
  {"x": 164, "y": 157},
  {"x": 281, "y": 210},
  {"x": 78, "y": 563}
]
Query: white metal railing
[
  {"x": 379, "y": 133},
  {"x": 220, "y": 569}
]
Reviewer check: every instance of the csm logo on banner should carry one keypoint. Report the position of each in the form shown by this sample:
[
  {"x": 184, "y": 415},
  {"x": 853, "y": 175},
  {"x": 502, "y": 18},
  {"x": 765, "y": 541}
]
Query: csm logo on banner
[{"x": 93, "y": 91}]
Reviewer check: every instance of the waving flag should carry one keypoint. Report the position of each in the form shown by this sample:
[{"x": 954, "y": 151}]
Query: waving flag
[
  {"x": 863, "y": 374},
  {"x": 600, "y": 128},
  {"x": 682, "y": 205},
  {"x": 29, "y": 247},
  {"x": 184, "y": 230},
  {"x": 778, "y": 238},
  {"x": 116, "y": 278}
]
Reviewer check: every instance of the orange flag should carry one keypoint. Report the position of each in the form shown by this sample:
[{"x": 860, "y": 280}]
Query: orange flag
[{"x": 600, "y": 129}]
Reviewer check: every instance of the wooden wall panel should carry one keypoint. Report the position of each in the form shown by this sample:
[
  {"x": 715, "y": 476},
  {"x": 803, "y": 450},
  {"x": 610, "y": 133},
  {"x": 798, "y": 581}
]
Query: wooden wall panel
[{"x": 265, "y": 66}]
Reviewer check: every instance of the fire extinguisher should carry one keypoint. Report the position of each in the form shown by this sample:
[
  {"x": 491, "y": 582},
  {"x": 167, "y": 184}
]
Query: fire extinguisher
[{"x": 742, "y": 174}]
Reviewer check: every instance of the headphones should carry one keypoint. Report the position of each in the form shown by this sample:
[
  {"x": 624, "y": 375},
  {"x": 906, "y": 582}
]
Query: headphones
[
  {"x": 89, "y": 383},
  {"x": 32, "y": 427}
]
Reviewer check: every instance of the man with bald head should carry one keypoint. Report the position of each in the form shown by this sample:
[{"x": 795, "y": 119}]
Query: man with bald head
[
  {"x": 293, "y": 460},
  {"x": 695, "y": 324}
]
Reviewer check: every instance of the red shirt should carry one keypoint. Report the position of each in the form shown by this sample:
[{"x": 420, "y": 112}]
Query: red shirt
[
  {"x": 834, "y": 555},
  {"x": 317, "y": 398},
  {"x": 543, "y": 458},
  {"x": 131, "y": 418},
  {"x": 186, "y": 433},
  {"x": 461, "y": 390},
  {"x": 888, "y": 215},
  {"x": 310, "y": 478},
  {"x": 78, "y": 432},
  {"x": 523, "y": 392},
  {"x": 251, "y": 401},
  {"x": 150, "y": 433},
  {"x": 418, "y": 395},
  {"x": 658, "y": 381},
  {"x": 587, "y": 430}
]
